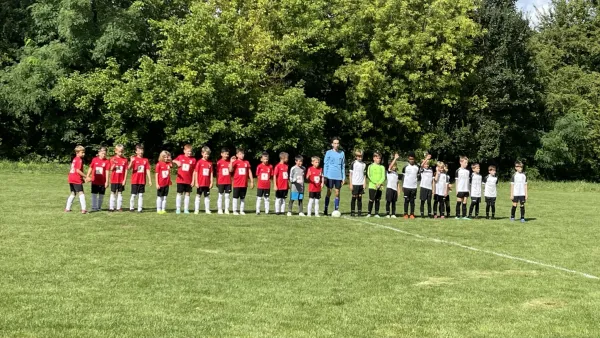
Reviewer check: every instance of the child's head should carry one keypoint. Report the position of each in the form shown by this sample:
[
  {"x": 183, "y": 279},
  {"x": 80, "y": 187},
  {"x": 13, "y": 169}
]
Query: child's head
[
  {"x": 102, "y": 152},
  {"x": 239, "y": 153},
  {"x": 411, "y": 158},
  {"x": 464, "y": 161},
  {"x": 425, "y": 164},
  {"x": 283, "y": 157},
  {"x": 139, "y": 150},
  {"x": 206, "y": 152},
  {"x": 299, "y": 160},
  {"x": 79, "y": 151},
  {"x": 475, "y": 168},
  {"x": 164, "y": 156},
  {"x": 315, "y": 160},
  {"x": 187, "y": 150},
  {"x": 358, "y": 154},
  {"x": 119, "y": 149},
  {"x": 335, "y": 143},
  {"x": 492, "y": 170},
  {"x": 264, "y": 157},
  {"x": 445, "y": 167},
  {"x": 519, "y": 166},
  {"x": 440, "y": 166},
  {"x": 377, "y": 157},
  {"x": 224, "y": 153}
]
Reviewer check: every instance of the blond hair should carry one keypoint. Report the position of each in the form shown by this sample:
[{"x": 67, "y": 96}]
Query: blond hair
[
  {"x": 315, "y": 158},
  {"x": 79, "y": 149},
  {"x": 206, "y": 149},
  {"x": 163, "y": 156}
]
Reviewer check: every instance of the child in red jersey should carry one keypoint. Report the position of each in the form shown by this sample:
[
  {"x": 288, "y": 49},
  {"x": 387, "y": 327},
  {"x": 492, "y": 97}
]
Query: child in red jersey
[
  {"x": 314, "y": 175},
  {"x": 141, "y": 171},
  {"x": 163, "y": 181},
  {"x": 203, "y": 178},
  {"x": 281, "y": 183},
  {"x": 223, "y": 181},
  {"x": 241, "y": 172},
  {"x": 185, "y": 175},
  {"x": 264, "y": 173},
  {"x": 118, "y": 176},
  {"x": 98, "y": 174},
  {"x": 76, "y": 179}
]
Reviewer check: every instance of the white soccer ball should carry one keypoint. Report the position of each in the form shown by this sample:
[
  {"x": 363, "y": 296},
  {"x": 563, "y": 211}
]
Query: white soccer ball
[{"x": 336, "y": 213}]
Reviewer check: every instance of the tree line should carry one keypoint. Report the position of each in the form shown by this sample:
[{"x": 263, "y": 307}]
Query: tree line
[{"x": 451, "y": 77}]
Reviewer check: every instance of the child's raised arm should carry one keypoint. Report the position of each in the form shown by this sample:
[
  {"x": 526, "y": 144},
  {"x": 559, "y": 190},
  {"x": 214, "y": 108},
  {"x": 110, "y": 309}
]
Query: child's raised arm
[{"x": 396, "y": 156}]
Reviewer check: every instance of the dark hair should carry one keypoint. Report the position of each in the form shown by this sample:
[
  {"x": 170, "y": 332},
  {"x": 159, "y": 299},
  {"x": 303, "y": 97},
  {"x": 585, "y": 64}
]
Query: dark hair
[
  {"x": 518, "y": 163},
  {"x": 139, "y": 146},
  {"x": 335, "y": 138},
  {"x": 299, "y": 158},
  {"x": 376, "y": 154},
  {"x": 264, "y": 154},
  {"x": 239, "y": 150},
  {"x": 492, "y": 167},
  {"x": 224, "y": 150},
  {"x": 411, "y": 154},
  {"x": 474, "y": 165}
]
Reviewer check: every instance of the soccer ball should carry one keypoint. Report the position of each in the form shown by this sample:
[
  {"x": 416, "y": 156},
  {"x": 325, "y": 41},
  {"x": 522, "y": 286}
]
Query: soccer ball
[{"x": 336, "y": 213}]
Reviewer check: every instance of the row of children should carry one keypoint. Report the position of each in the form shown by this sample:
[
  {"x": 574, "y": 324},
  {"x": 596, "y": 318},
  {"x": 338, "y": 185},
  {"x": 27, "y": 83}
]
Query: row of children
[{"x": 233, "y": 176}]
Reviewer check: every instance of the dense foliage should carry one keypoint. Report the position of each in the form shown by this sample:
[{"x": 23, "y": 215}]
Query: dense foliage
[{"x": 446, "y": 76}]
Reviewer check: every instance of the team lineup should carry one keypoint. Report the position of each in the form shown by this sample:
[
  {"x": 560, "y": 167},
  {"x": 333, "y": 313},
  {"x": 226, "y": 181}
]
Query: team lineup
[{"x": 234, "y": 175}]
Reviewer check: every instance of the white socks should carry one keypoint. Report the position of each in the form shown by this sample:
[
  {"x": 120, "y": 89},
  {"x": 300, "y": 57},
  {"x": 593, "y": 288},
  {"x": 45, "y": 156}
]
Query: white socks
[
  {"x": 311, "y": 202},
  {"x": 112, "y": 201},
  {"x": 82, "y": 202},
  {"x": 164, "y": 203},
  {"x": 235, "y": 202},
  {"x": 242, "y": 202},
  {"x": 258, "y": 201},
  {"x": 282, "y": 206},
  {"x": 197, "y": 204},
  {"x": 161, "y": 203},
  {"x": 277, "y": 205},
  {"x": 267, "y": 206},
  {"x": 140, "y": 202},
  {"x": 119, "y": 201},
  {"x": 132, "y": 202},
  {"x": 186, "y": 203},
  {"x": 70, "y": 200},
  {"x": 219, "y": 203},
  {"x": 316, "y": 206},
  {"x": 178, "y": 202},
  {"x": 206, "y": 204},
  {"x": 226, "y": 201}
]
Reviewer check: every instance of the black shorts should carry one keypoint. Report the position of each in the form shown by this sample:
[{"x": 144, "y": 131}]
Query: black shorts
[
  {"x": 162, "y": 191},
  {"x": 425, "y": 194},
  {"x": 117, "y": 187},
  {"x": 439, "y": 198},
  {"x": 517, "y": 199},
  {"x": 203, "y": 190},
  {"x": 462, "y": 194},
  {"x": 281, "y": 193},
  {"x": 240, "y": 192},
  {"x": 476, "y": 200},
  {"x": 391, "y": 195},
  {"x": 337, "y": 184},
  {"x": 375, "y": 194},
  {"x": 358, "y": 189},
  {"x": 138, "y": 189},
  {"x": 76, "y": 187},
  {"x": 98, "y": 189},
  {"x": 447, "y": 198},
  {"x": 224, "y": 188},
  {"x": 184, "y": 188},
  {"x": 263, "y": 193},
  {"x": 315, "y": 195},
  {"x": 411, "y": 194},
  {"x": 490, "y": 200}
]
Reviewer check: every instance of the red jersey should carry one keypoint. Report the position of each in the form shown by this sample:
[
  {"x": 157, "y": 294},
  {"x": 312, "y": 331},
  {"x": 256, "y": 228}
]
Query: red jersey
[
  {"x": 281, "y": 176},
  {"x": 163, "y": 169},
  {"x": 241, "y": 170},
  {"x": 74, "y": 177},
  {"x": 203, "y": 168},
  {"x": 223, "y": 174},
  {"x": 264, "y": 172},
  {"x": 140, "y": 165},
  {"x": 185, "y": 171},
  {"x": 99, "y": 167},
  {"x": 315, "y": 177},
  {"x": 118, "y": 168}
]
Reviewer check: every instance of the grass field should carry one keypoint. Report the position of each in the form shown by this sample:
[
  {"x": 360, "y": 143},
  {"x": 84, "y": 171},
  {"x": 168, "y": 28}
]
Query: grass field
[{"x": 148, "y": 275}]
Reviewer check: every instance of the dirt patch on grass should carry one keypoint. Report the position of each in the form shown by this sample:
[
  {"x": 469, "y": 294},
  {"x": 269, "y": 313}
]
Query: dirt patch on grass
[
  {"x": 544, "y": 304},
  {"x": 436, "y": 281}
]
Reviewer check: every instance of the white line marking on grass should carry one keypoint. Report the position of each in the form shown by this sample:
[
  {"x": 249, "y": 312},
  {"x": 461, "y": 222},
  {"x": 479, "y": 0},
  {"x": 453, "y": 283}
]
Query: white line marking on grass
[{"x": 443, "y": 241}]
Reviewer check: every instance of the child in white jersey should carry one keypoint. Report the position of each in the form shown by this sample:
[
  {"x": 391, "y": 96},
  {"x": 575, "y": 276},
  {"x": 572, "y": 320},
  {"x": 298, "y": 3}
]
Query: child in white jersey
[
  {"x": 518, "y": 191},
  {"x": 391, "y": 192},
  {"x": 462, "y": 187},
  {"x": 476, "y": 182},
  {"x": 357, "y": 182},
  {"x": 442, "y": 183},
  {"x": 490, "y": 182},
  {"x": 410, "y": 175},
  {"x": 426, "y": 193}
]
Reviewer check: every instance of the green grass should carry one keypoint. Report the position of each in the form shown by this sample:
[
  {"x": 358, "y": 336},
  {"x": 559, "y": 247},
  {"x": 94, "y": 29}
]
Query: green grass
[{"x": 147, "y": 275}]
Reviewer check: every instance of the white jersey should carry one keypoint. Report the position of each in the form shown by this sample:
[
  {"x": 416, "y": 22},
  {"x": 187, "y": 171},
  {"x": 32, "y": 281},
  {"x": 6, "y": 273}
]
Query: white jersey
[
  {"x": 490, "y": 183},
  {"x": 462, "y": 180},
  {"x": 441, "y": 184},
  {"x": 426, "y": 178},
  {"x": 476, "y": 181},
  {"x": 357, "y": 170},
  {"x": 519, "y": 182},
  {"x": 411, "y": 173},
  {"x": 392, "y": 180}
]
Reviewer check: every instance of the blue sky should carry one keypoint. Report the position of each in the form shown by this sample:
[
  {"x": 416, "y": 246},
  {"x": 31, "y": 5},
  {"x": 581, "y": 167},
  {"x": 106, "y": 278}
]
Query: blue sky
[{"x": 529, "y": 6}]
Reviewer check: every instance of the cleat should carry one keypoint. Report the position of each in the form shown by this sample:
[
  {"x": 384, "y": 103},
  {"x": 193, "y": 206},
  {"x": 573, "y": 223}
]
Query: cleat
[
  {"x": 220, "y": 212},
  {"x": 393, "y": 216},
  {"x": 258, "y": 213},
  {"x": 487, "y": 217},
  {"x": 512, "y": 219},
  {"x": 388, "y": 216},
  {"x": 85, "y": 212},
  {"x": 235, "y": 213},
  {"x": 317, "y": 215},
  {"x": 289, "y": 213},
  {"x": 456, "y": 217},
  {"x": 376, "y": 216},
  {"x": 131, "y": 210},
  {"x": 111, "y": 210},
  {"x": 352, "y": 214},
  {"x": 226, "y": 211},
  {"x": 67, "y": 210},
  {"x": 178, "y": 211},
  {"x": 186, "y": 212},
  {"x": 208, "y": 212},
  {"x": 522, "y": 220},
  {"x": 434, "y": 216},
  {"x": 139, "y": 211},
  {"x": 301, "y": 214},
  {"x": 405, "y": 216},
  {"x": 308, "y": 215},
  {"x": 196, "y": 212},
  {"x": 422, "y": 215},
  {"x": 368, "y": 215},
  {"x": 442, "y": 217},
  {"x": 360, "y": 214},
  {"x": 466, "y": 218},
  {"x": 119, "y": 210},
  {"x": 242, "y": 213},
  {"x": 412, "y": 216}
]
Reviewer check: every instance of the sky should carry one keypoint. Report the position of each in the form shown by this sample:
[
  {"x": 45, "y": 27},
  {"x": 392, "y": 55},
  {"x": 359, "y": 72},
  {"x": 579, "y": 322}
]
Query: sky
[{"x": 529, "y": 8}]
